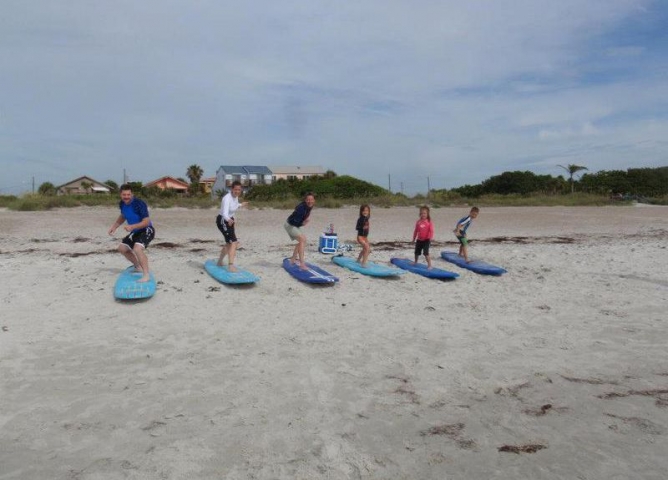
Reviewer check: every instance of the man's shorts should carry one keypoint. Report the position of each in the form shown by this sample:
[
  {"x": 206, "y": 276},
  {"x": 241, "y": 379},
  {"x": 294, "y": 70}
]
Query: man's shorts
[
  {"x": 294, "y": 232},
  {"x": 227, "y": 230},
  {"x": 463, "y": 240},
  {"x": 422, "y": 247},
  {"x": 142, "y": 237}
]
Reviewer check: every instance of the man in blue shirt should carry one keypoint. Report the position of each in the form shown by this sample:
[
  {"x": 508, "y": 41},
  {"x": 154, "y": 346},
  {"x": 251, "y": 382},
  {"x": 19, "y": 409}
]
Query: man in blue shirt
[
  {"x": 293, "y": 224},
  {"x": 140, "y": 230}
]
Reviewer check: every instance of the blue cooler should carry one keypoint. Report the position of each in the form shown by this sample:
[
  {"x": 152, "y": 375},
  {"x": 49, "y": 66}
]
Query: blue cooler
[{"x": 329, "y": 243}]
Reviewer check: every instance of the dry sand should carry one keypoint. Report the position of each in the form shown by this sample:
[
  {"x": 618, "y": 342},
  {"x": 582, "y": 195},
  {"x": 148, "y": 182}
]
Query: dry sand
[{"x": 564, "y": 359}]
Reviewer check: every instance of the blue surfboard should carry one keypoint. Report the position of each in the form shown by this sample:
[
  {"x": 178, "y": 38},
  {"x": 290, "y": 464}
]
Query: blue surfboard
[
  {"x": 313, "y": 274},
  {"x": 223, "y": 275},
  {"x": 373, "y": 269},
  {"x": 477, "y": 266},
  {"x": 421, "y": 269},
  {"x": 127, "y": 287}
]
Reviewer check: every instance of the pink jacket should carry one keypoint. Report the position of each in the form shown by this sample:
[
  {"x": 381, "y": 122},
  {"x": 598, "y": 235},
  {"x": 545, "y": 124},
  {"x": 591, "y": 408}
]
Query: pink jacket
[{"x": 424, "y": 230}]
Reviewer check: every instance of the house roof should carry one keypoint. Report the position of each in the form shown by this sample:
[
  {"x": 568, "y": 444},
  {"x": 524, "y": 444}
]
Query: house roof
[
  {"x": 167, "y": 178},
  {"x": 87, "y": 179},
  {"x": 233, "y": 169}
]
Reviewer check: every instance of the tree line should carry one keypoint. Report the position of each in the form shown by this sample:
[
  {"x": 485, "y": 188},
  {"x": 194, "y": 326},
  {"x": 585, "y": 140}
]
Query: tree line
[{"x": 638, "y": 182}]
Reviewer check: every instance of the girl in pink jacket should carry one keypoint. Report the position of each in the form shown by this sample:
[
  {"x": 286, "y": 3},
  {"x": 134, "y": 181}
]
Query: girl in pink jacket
[{"x": 422, "y": 235}]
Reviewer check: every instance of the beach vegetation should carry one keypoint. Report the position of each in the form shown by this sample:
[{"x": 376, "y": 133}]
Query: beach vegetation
[
  {"x": 572, "y": 169},
  {"x": 47, "y": 189},
  {"x": 112, "y": 185},
  {"x": 519, "y": 188}
]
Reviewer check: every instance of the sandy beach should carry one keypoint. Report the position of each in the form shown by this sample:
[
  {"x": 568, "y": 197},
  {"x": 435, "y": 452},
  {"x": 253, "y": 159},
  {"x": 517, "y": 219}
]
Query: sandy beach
[{"x": 556, "y": 370}]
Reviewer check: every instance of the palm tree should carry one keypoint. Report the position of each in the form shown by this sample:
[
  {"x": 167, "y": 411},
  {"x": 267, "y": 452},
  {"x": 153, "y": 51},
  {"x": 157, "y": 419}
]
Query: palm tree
[
  {"x": 572, "y": 170},
  {"x": 194, "y": 173}
]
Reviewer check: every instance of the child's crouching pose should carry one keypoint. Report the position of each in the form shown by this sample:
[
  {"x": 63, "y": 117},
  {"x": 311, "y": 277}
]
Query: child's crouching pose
[{"x": 460, "y": 232}]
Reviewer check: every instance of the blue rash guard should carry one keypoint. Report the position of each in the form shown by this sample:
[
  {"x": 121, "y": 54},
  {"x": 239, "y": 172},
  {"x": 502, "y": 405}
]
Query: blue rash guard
[
  {"x": 135, "y": 212},
  {"x": 464, "y": 224}
]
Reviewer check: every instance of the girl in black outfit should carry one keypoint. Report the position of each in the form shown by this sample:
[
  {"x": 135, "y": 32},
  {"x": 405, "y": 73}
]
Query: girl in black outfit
[{"x": 362, "y": 234}]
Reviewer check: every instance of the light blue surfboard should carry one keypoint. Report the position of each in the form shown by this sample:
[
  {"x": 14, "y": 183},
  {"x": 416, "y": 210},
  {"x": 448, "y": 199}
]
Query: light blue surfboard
[
  {"x": 373, "y": 269},
  {"x": 223, "y": 275},
  {"x": 313, "y": 273},
  {"x": 477, "y": 266},
  {"x": 421, "y": 269},
  {"x": 127, "y": 287}
]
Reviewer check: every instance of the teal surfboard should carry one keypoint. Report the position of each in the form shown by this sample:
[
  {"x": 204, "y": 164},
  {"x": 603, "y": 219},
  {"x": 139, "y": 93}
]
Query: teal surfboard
[
  {"x": 127, "y": 287},
  {"x": 223, "y": 275},
  {"x": 372, "y": 269}
]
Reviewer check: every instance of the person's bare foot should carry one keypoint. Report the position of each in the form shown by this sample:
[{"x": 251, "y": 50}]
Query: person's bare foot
[
  {"x": 144, "y": 279},
  {"x": 231, "y": 268}
]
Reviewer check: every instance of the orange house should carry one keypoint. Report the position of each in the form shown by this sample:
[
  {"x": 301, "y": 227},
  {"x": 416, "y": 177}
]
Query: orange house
[{"x": 171, "y": 183}]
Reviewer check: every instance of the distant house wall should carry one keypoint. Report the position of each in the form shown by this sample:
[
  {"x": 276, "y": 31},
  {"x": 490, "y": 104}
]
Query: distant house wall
[
  {"x": 207, "y": 184},
  {"x": 295, "y": 172}
]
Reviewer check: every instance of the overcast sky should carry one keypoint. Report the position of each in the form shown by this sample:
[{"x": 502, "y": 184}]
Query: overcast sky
[{"x": 448, "y": 92}]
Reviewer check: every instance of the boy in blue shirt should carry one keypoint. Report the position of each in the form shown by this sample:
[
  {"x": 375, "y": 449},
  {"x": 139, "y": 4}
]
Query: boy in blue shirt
[
  {"x": 140, "y": 230},
  {"x": 460, "y": 232}
]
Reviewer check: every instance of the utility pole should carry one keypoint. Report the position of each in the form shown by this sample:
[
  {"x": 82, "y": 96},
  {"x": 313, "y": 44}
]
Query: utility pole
[
  {"x": 428, "y": 186},
  {"x": 33, "y": 184},
  {"x": 389, "y": 182}
]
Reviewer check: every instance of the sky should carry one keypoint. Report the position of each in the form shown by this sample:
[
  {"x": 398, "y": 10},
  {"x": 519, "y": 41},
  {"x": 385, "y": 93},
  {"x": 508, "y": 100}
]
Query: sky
[{"x": 404, "y": 94}]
